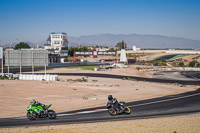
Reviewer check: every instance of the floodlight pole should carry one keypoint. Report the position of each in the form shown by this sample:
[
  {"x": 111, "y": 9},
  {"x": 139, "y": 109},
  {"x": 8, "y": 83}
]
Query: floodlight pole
[
  {"x": 2, "y": 65},
  {"x": 20, "y": 59},
  {"x": 117, "y": 58},
  {"x": 32, "y": 64},
  {"x": 2, "y": 62},
  {"x": 8, "y": 63},
  {"x": 45, "y": 61},
  {"x": 74, "y": 57}
]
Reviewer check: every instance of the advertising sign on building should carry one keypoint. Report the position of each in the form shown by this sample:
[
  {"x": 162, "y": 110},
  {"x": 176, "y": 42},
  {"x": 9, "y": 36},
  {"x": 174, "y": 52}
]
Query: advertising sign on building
[
  {"x": 1, "y": 52},
  {"x": 83, "y": 53},
  {"x": 106, "y": 53},
  {"x": 95, "y": 53}
]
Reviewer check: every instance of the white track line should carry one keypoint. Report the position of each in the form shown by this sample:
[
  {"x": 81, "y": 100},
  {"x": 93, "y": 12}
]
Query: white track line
[
  {"x": 64, "y": 114},
  {"x": 21, "y": 118},
  {"x": 83, "y": 112},
  {"x": 164, "y": 100}
]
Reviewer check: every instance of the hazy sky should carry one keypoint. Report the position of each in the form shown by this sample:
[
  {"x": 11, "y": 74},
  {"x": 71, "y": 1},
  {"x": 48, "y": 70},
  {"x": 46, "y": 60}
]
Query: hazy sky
[{"x": 33, "y": 20}]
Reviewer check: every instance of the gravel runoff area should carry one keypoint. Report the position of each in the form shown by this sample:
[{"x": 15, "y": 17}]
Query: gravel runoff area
[{"x": 174, "y": 124}]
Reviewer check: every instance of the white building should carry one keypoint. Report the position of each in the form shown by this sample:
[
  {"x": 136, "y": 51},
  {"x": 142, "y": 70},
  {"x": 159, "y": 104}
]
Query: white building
[
  {"x": 102, "y": 49},
  {"x": 57, "y": 43},
  {"x": 135, "y": 48}
]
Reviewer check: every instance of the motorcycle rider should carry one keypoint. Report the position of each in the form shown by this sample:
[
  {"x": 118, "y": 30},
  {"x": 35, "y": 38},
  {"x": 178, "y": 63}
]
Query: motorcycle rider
[
  {"x": 115, "y": 103},
  {"x": 110, "y": 98},
  {"x": 36, "y": 103}
]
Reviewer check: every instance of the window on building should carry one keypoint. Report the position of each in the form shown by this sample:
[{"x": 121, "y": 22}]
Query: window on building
[
  {"x": 56, "y": 42},
  {"x": 56, "y": 36}
]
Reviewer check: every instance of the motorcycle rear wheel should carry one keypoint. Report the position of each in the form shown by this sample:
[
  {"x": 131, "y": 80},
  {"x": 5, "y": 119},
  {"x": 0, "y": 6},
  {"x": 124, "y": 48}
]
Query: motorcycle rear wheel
[
  {"x": 127, "y": 110},
  {"x": 32, "y": 116},
  {"x": 112, "y": 111}
]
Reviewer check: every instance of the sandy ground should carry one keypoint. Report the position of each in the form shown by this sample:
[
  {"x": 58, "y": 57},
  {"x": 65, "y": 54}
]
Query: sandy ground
[
  {"x": 190, "y": 58},
  {"x": 175, "y": 124},
  {"x": 130, "y": 71},
  {"x": 70, "y": 94}
]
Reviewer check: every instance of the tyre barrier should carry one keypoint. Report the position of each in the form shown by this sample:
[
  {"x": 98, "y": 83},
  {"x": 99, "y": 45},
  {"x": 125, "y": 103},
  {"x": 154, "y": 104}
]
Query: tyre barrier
[{"x": 38, "y": 77}]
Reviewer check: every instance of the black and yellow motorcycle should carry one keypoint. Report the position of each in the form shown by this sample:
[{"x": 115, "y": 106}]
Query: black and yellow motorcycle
[{"x": 122, "y": 108}]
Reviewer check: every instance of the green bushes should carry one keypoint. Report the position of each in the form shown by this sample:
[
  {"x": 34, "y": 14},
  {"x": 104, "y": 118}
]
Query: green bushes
[
  {"x": 159, "y": 62},
  {"x": 5, "y": 77},
  {"x": 191, "y": 64},
  {"x": 194, "y": 64},
  {"x": 181, "y": 64}
]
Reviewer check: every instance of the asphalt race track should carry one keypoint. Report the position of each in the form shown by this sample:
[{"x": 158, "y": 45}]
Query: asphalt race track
[
  {"x": 164, "y": 106},
  {"x": 185, "y": 82},
  {"x": 181, "y": 75}
]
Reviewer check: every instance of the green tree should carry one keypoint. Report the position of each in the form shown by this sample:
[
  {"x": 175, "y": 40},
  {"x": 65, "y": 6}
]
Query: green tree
[
  {"x": 111, "y": 50},
  {"x": 181, "y": 64},
  {"x": 71, "y": 50},
  {"x": 192, "y": 63},
  {"x": 97, "y": 46},
  {"x": 84, "y": 48},
  {"x": 22, "y": 45},
  {"x": 119, "y": 45}
]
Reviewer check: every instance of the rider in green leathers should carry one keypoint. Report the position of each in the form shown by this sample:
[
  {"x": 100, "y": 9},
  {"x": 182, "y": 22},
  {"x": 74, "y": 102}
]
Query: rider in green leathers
[{"x": 36, "y": 103}]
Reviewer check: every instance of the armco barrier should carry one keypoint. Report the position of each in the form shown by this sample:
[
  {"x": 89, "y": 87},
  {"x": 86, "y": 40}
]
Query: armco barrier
[
  {"x": 169, "y": 69},
  {"x": 37, "y": 77}
]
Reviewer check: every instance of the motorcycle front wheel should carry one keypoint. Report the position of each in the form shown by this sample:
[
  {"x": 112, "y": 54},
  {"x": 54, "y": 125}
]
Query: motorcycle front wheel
[
  {"x": 51, "y": 114},
  {"x": 112, "y": 111},
  {"x": 31, "y": 116},
  {"x": 127, "y": 110}
]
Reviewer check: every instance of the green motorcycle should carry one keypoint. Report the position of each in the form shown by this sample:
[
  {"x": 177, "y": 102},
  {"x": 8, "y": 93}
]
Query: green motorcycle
[{"x": 37, "y": 111}]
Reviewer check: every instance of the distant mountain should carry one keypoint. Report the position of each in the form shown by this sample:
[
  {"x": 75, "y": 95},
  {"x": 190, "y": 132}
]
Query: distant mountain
[
  {"x": 142, "y": 41},
  {"x": 41, "y": 43}
]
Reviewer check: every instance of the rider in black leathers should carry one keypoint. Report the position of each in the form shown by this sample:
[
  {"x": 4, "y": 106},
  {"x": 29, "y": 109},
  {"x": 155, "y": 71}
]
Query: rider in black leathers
[{"x": 114, "y": 101}]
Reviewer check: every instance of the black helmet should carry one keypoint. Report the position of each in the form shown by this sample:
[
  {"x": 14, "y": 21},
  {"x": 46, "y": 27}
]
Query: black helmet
[{"x": 110, "y": 97}]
